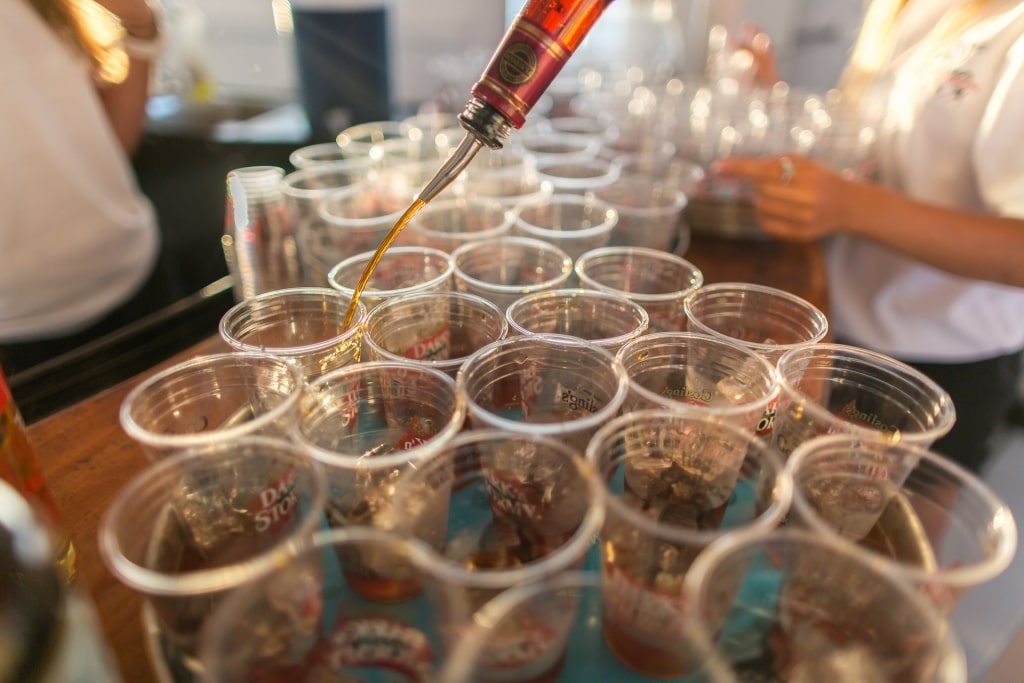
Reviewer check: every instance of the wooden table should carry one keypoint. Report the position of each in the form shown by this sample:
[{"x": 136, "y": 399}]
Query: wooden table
[{"x": 87, "y": 458}]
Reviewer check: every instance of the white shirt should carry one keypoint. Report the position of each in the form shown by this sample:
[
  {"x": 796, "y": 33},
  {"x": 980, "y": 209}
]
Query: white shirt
[
  {"x": 77, "y": 237},
  {"x": 953, "y": 137}
]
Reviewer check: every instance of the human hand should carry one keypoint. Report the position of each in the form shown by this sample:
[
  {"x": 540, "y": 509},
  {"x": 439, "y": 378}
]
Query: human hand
[
  {"x": 795, "y": 198},
  {"x": 765, "y": 67},
  {"x": 137, "y": 16}
]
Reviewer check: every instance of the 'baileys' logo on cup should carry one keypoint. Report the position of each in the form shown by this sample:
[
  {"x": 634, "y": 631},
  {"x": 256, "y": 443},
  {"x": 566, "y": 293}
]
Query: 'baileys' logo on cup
[{"x": 380, "y": 642}]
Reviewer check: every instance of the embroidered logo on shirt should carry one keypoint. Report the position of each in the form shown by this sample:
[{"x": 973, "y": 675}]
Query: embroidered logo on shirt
[{"x": 957, "y": 83}]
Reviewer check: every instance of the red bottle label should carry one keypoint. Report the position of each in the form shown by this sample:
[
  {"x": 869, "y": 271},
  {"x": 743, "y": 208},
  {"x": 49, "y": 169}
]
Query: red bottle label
[
  {"x": 5, "y": 393},
  {"x": 521, "y": 70}
]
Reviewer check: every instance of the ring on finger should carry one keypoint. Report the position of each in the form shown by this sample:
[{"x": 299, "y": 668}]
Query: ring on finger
[{"x": 787, "y": 171}]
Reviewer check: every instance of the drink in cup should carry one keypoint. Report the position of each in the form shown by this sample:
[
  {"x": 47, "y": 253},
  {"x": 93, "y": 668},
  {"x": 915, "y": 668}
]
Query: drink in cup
[
  {"x": 544, "y": 385},
  {"x": 573, "y": 602},
  {"x": 200, "y": 523},
  {"x": 605, "y": 319},
  {"x": 436, "y": 329},
  {"x": 691, "y": 371},
  {"x": 836, "y": 388},
  {"x": 928, "y": 520},
  {"x": 500, "y": 509},
  {"x": 673, "y": 483},
  {"x": 213, "y": 398},
  {"x": 304, "y": 326},
  {"x": 792, "y": 606},
  {"x": 655, "y": 279},
  {"x": 369, "y": 424}
]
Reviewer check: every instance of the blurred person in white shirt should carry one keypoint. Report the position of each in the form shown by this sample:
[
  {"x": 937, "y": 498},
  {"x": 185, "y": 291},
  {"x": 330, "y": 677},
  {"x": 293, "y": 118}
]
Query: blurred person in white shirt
[
  {"x": 79, "y": 241},
  {"x": 926, "y": 261}
]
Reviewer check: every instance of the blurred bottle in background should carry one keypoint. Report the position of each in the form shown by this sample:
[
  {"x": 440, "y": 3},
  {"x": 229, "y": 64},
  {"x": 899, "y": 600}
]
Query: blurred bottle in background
[
  {"x": 343, "y": 62},
  {"x": 49, "y": 632},
  {"x": 20, "y": 468}
]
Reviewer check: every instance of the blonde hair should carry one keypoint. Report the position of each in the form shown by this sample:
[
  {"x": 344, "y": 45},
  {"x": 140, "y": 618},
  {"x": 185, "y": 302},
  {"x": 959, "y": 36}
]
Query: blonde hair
[
  {"x": 874, "y": 43},
  {"x": 92, "y": 31}
]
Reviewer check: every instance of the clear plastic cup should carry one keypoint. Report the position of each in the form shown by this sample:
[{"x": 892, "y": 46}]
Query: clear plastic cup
[
  {"x": 675, "y": 171},
  {"x": 504, "y": 269},
  {"x": 935, "y": 524},
  {"x": 428, "y": 124},
  {"x": 578, "y": 177},
  {"x": 509, "y": 186},
  {"x": 697, "y": 372},
  {"x": 307, "y": 621},
  {"x": 557, "y": 146},
  {"x": 305, "y": 326},
  {"x": 358, "y": 140},
  {"x": 449, "y": 223},
  {"x": 574, "y": 649},
  {"x": 400, "y": 272},
  {"x": 435, "y": 329},
  {"x": 657, "y": 280},
  {"x": 311, "y": 155},
  {"x": 212, "y": 399},
  {"x": 767, "y": 319},
  {"x": 369, "y": 425},
  {"x": 650, "y": 212},
  {"x": 835, "y": 388},
  {"x": 793, "y": 606},
  {"x": 356, "y": 220},
  {"x": 574, "y": 223},
  {"x": 198, "y": 524},
  {"x": 605, "y": 319},
  {"x": 303, "y": 191},
  {"x": 544, "y": 385},
  {"x": 499, "y": 509},
  {"x": 674, "y": 482}
]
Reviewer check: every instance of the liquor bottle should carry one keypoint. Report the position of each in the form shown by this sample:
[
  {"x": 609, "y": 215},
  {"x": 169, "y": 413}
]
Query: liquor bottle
[
  {"x": 535, "y": 48},
  {"x": 49, "y": 631},
  {"x": 19, "y": 467}
]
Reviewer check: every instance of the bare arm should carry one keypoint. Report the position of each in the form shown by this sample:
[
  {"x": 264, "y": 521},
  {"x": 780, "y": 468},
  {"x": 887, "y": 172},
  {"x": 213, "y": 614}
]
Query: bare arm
[
  {"x": 818, "y": 201},
  {"x": 125, "y": 102}
]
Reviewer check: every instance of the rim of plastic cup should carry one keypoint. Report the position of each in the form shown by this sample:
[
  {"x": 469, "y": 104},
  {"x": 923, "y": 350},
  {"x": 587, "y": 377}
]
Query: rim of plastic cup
[
  {"x": 365, "y": 257},
  {"x": 606, "y": 175},
  {"x": 323, "y": 210},
  {"x": 764, "y": 522},
  {"x": 611, "y": 218},
  {"x": 486, "y": 203},
  {"x": 552, "y": 429},
  {"x": 676, "y": 205},
  {"x": 644, "y": 320},
  {"x": 354, "y": 327},
  {"x": 308, "y": 156},
  {"x": 351, "y": 140},
  {"x": 953, "y": 667},
  {"x": 530, "y": 242},
  {"x": 646, "y": 252},
  {"x": 819, "y": 321},
  {"x": 385, "y": 307},
  {"x": 291, "y": 183},
  {"x": 944, "y": 419},
  {"x": 568, "y": 553},
  {"x": 959, "y": 576},
  {"x": 161, "y": 440},
  {"x": 417, "y": 453},
  {"x": 662, "y": 340},
  {"x": 203, "y": 581}
]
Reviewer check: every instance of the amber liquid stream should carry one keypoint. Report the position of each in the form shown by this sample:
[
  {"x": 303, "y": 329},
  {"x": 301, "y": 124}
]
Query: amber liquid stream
[{"x": 377, "y": 256}]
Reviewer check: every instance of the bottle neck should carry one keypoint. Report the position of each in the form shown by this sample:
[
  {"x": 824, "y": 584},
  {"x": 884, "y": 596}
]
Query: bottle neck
[{"x": 485, "y": 123}]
